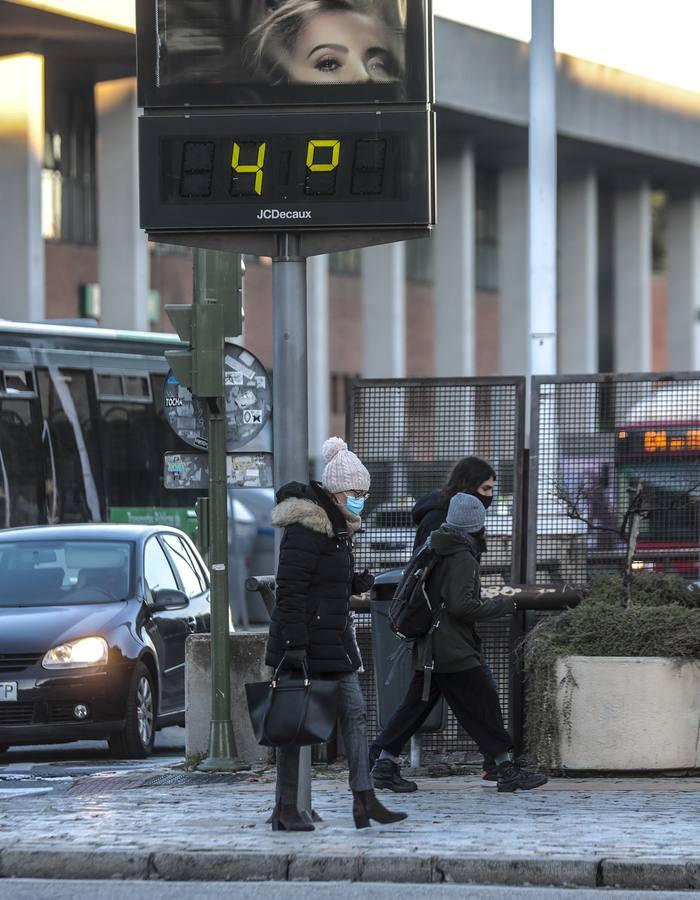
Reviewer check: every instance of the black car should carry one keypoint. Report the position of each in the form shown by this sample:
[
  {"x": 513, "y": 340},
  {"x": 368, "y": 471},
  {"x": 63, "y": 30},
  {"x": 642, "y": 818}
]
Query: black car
[{"x": 93, "y": 623}]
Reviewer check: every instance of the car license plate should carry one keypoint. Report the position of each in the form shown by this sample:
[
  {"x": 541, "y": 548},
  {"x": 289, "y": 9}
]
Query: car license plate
[{"x": 8, "y": 691}]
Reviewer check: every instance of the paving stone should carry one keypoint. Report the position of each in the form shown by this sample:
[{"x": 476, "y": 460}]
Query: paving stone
[
  {"x": 66, "y": 863},
  {"x": 650, "y": 874},
  {"x": 211, "y": 866}
]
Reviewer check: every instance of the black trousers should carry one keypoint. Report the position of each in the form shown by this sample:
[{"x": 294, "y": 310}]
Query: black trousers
[{"x": 472, "y": 697}]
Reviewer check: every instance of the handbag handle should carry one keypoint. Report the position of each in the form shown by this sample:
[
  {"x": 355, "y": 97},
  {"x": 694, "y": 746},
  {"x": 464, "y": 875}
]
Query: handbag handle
[{"x": 276, "y": 673}]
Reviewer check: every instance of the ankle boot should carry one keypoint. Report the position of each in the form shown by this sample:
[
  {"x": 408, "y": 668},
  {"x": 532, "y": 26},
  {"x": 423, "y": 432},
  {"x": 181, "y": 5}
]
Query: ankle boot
[
  {"x": 286, "y": 817},
  {"x": 365, "y": 806}
]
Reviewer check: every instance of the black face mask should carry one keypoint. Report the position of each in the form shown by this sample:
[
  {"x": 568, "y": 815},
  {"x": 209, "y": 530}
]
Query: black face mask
[{"x": 486, "y": 501}]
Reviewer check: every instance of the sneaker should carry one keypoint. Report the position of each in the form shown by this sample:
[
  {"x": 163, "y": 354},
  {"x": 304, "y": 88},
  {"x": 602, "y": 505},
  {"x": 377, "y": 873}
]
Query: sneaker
[
  {"x": 386, "y": 775},
  {"x": 489, "y": 774},
  {"x": 512, "y": 778}
]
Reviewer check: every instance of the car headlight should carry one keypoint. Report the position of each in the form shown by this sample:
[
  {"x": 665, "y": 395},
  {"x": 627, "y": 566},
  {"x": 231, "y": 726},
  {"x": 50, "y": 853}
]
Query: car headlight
[{"x": 89, "y": 651}]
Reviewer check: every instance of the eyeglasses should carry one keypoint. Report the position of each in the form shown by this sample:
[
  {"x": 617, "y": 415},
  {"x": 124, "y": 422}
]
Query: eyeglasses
[{"x": 358, "y": 495}]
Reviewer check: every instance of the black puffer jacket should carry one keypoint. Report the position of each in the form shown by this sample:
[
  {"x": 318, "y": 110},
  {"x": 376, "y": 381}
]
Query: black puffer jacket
[
  {"x": 314, "y": 581},
  {"x": 428, "y": 515}
]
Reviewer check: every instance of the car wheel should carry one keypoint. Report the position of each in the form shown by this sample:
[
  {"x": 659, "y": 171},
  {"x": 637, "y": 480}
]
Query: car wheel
[{"x": 135, "y": 740}]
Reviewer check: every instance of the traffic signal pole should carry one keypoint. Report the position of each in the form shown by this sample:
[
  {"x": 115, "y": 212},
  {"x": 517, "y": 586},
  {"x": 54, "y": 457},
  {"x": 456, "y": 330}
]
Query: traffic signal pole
[
  {"x": 203, "y": 326},
  {"x": 290, "y": 402}
]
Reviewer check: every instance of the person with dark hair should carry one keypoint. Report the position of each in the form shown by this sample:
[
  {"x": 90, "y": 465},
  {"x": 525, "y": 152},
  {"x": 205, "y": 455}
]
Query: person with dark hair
[
  {"x": 471, "y": 475},
  {"x": 474, "y": 476}
]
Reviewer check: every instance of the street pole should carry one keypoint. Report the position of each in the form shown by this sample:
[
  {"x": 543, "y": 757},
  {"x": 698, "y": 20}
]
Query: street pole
[
  {"x": 222, "y": 755},
  {"x": 290, "y": 402},
  {"x": 543, "y": 192}
]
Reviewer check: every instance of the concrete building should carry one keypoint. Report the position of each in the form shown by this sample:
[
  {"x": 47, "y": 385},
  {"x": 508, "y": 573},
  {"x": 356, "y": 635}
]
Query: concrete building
[{"x": 629, "y": 215}]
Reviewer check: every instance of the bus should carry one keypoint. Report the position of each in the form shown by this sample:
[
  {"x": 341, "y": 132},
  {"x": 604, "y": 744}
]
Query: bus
[
  {"x": 83, "y": 436},
  {"x": 658, "y": 451}
]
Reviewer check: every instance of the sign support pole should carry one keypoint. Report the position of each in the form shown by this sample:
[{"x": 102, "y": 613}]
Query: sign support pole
[
  {"x": 222, "y": 754},
  {"x": 290, "y": 401}
]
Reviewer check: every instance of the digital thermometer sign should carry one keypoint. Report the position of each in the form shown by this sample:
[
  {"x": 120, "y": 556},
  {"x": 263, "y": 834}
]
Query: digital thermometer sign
[
  {"x": 276, "y": 116},
  {"x": 354, "y": 169}
]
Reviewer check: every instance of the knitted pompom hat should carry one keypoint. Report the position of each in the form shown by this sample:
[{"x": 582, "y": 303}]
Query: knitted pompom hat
[{"x": 344, "y": 471}]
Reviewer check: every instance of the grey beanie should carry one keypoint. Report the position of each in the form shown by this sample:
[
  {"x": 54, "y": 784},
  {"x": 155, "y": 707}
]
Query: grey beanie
[{"x": 465, "y": 515}]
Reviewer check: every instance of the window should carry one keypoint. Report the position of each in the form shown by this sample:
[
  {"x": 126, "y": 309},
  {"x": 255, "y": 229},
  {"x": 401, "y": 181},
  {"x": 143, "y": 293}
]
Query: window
[
  {"x": 157, "y": 569},
  {"x": 347, "y": 262},
  {"x": 341, "y": 382},
  {"x": 15, "y": 381},
  {"x": 70, "y": 573},
  {"x": 68, "y": 194},
  {"x": 21, "y": 482},
  {"x": 420, "y": 261},
  {"x": 134, "y": 388},
  {"x": 71, "y": 446},
  {"x": 486, "y": 231},
  {"x": 189, "y": 576}
]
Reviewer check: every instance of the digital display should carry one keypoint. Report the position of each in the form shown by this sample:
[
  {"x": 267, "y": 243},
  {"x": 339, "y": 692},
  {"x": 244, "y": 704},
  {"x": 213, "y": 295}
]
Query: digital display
[
  {"x": 260, "y": 52},
  {"x": 287, "y": 169},
  {"x": 659, "y": 441},
  {"x": 226, "y": 172}
]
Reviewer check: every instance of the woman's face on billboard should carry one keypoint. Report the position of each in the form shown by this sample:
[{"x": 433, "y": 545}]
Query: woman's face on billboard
[{"x": 342, "y": 47}]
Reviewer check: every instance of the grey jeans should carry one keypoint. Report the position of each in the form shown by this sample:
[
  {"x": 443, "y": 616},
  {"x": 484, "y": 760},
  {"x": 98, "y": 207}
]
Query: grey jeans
[{"x": 352, "y": 714}]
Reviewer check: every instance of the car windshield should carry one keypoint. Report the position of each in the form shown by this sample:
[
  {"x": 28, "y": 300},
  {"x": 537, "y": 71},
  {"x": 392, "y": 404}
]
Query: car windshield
[{"x": 65, "y": 573}]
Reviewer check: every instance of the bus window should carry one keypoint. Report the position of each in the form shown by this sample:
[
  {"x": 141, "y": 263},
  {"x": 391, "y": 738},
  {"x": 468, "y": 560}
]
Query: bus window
[
  {"x": 133, "y": 470},
  {"x": 71, "y": 447},
  {"x": 22, "y": 499}
]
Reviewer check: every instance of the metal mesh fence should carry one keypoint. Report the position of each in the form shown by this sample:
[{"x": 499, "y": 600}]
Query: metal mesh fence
[
  {"x": 409, "y": 434},
  {"x": 616, "y": 456}
]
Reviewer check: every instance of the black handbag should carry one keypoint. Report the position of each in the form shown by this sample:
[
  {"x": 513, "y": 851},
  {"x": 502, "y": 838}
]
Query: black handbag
[{"x": 293, "y": 711}]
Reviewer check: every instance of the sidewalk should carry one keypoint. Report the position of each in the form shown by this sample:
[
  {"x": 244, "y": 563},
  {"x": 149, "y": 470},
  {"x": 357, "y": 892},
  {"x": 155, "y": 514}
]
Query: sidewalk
[{"x": 166, "y": 824}]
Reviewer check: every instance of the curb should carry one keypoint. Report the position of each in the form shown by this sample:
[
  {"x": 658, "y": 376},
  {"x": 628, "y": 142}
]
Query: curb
[{"x": 215, "y": 865}]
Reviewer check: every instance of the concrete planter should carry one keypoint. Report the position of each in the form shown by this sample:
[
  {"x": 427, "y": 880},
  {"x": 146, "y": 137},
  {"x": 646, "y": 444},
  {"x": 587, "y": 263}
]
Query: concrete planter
[{"x": 628, "y": 713}]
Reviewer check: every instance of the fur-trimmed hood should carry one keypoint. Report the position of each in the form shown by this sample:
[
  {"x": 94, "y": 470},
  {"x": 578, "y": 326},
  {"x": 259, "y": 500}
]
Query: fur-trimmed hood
[{"x": 296, "y": 506}]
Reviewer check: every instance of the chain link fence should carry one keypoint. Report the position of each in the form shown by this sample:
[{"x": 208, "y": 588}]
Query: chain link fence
[
  {"x": 614, "y": 469},
  {"x": 409, "y": 434}
]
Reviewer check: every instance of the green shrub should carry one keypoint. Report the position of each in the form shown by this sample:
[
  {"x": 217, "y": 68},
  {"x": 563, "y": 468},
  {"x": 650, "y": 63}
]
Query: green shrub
[{"x": 662, "y": 620}]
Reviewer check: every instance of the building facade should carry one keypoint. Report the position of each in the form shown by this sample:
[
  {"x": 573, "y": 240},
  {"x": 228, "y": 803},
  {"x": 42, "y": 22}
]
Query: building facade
[{"x": 452, "y": 305}]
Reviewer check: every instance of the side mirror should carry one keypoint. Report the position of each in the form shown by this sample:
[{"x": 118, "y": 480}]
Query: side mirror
[{"x": 168, "y": 598}]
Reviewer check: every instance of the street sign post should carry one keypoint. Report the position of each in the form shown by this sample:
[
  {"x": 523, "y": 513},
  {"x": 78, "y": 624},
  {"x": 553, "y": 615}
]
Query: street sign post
[
  {"x": 201, "y": 368},
  {"x": 267, "y": 130}
]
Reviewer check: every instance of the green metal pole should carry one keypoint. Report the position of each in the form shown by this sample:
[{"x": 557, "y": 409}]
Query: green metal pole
[{"x": 222, "y": 754}]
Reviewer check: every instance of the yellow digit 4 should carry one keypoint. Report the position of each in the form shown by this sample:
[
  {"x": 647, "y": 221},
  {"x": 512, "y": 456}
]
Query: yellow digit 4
[
  {"x": 313, "y": 146},
  {"x": 256, "y": 169}
]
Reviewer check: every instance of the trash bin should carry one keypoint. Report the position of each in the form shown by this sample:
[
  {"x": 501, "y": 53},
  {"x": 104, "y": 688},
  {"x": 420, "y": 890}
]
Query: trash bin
[{"x": 384, "y": 646}]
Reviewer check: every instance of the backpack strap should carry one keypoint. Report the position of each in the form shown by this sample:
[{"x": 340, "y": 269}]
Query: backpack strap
[
  {"x": 428, "y": 660},
  {"x": 428, "y": 666}
]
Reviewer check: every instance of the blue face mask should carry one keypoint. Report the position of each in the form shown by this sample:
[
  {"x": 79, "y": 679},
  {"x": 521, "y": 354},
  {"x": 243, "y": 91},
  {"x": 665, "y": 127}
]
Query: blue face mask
[{"x": 355, "y": 505}]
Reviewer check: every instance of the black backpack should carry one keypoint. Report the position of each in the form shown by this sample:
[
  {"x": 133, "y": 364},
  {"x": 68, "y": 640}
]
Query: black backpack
[{"x": 411, "y": 615}]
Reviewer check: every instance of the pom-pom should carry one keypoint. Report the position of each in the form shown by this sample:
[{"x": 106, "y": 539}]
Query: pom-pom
[{"x": 332, "y": 447}]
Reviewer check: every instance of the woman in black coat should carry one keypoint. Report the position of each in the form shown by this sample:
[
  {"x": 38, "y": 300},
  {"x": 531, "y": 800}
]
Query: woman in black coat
[{"x": 311, "y": 628}]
